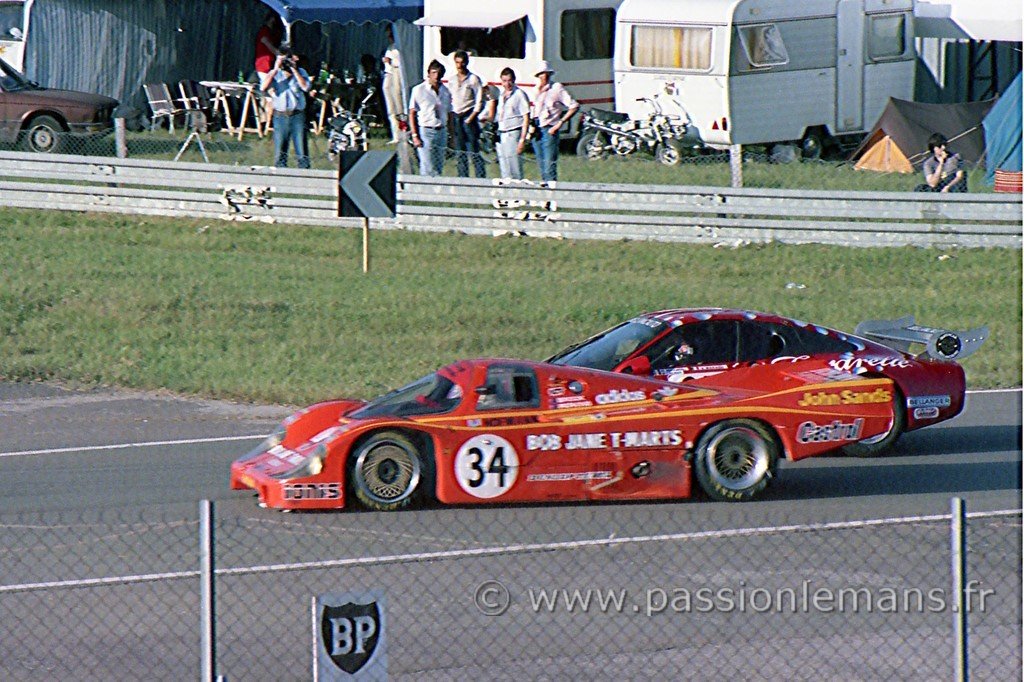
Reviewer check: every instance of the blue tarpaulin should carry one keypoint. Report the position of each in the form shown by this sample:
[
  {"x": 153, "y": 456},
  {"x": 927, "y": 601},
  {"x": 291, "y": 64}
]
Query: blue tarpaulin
[
  {"x": 1003, "y": 133},
  {"x": 343, "y": 11}
]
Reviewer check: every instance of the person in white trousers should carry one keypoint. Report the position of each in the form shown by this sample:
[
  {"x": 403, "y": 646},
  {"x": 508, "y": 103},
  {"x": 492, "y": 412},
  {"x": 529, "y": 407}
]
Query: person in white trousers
[{"x": 393, "y": 99}]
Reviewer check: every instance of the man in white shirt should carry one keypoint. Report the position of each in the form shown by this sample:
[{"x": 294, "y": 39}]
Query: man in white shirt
[
  {"x": 392, "y": 84},
  {"x": 553, "y": 107},
  {"x": 430, "y": 108},
  {"x": 467, "y": 103},
  {"x": 511, "y": 112}
]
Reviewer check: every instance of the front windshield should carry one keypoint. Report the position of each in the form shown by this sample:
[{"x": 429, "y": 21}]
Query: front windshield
[
  {"x": 608, "y": 349},
  {"x": 11, "y": 80},
  {"x": 433, "y": 394}
]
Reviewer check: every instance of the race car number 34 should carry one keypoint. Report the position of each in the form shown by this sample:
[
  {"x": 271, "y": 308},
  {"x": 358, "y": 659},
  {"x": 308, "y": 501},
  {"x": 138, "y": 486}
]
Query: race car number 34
[{"x": 486, "y": 466}]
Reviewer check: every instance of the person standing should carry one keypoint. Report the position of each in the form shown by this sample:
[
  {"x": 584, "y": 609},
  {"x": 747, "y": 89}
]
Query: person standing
[
  {"x": 268, "y": 40},
  {"x": 511, "y": 113},
  {"x": 467, "y": 103},
  {"x": 943, "y": 172},
  {"x": 552, "y": 109},
  {"x": 288, "y": 84},
  {"x": 430, "y": 110},
  {"x": 393, "y": 84}
]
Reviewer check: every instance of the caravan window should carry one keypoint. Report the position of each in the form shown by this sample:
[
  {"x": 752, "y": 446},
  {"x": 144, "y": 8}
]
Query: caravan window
[
  {"x": 505, "y": 42},
  {"x": 763, "y": 45},
  {"x": 671, "y": 47},
  {"x": 10, "y": 17},
  {"x": 588, "y": 34},
  {"x": 886, "y": 36}
]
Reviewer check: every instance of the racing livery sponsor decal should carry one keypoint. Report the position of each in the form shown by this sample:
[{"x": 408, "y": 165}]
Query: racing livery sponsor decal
[
  {"x": 926, "y": 412},
  {"x": 790, "y": 358},
  {"x": 571, "y": 401},
  {"x": 822, "y": 376},
  {"x": 350, "y": 635},
  {"x": 617, "y": 395},
  {"x": 604, "y": 441},
  {"x": 287, "y": 455},
  {"x": 846, "y": 397},
  {"x": 849, "y": 363},
  {"x": 486, "y": 466},
  {"x": 570, "y": 476},
  {"x": 312, "y": 491},
  {"x": 929, "y": 401},
  {"x": 810, "y": 432}
]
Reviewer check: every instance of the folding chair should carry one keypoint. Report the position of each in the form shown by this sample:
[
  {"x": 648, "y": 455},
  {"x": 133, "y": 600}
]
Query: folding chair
[
  {"x": 162, "y": 104},
  {"x": 197, "y": 98}
]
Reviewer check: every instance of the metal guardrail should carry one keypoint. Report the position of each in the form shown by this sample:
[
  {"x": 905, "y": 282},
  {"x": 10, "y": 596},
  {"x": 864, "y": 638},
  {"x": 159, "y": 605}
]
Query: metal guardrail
[{"x": 564, "y": 210}]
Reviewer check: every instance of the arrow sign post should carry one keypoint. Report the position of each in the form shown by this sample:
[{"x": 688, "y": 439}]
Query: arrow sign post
[{"x": 367, "y": 183}]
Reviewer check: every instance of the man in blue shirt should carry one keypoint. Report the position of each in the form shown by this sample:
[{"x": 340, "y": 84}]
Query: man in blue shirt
[{"x": 288, "y": 84}]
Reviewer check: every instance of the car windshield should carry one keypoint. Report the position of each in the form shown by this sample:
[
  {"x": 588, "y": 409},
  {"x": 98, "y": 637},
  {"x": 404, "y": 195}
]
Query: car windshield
[
  {"x": 432, "y": 394},
  {"x": 608, "y": 349},
  {"x": 11, "y": 80}
]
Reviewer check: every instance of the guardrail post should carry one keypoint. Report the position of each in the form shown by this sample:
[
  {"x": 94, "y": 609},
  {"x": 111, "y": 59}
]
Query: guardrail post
[
  {"x": 120, "y": 138},
  {"x": 736, "y": 164},
  {"x": 958, "y": 546},
  {"x": 208, "y": 642}
]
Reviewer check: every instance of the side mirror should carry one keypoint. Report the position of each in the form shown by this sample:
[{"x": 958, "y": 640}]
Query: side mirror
[
  {"x": 640, "y": 366},
  {"x": 484, "y": 390}
]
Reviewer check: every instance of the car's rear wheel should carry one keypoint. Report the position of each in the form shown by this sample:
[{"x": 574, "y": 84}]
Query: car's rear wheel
[
  {"x": 734, "y": 460},
  {"x": 877, "y": 445},
  {"x": 44, "y": 134},
  {"x": 388, "y": 471}
]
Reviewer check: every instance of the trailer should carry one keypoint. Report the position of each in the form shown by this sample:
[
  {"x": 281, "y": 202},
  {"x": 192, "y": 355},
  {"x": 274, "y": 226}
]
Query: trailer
[
  {"x": 575, "y": 36},
  {"x": 766, "y": 71}
]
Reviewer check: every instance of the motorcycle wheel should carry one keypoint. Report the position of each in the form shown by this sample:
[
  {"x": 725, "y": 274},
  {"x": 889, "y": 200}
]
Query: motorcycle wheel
[
  {"x": 591, "y": 146},
  {"x": 667, "y": 153}
]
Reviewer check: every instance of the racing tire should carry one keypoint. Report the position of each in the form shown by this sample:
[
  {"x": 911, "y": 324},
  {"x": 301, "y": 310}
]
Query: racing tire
[
  {"x": 388, "y": 472},
  {"x": 667, "y": 153},
  {"x": 735, "y": 460},
  {"x": 44, "y": 135},
  {"x": 878, "y": 445},
  {"x": 591, "y": 146}
]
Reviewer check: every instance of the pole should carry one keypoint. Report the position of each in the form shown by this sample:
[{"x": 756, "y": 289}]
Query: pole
[
  {"x": 206, "y": 595},
  {"x": 958, "y": 547},
  {"x": 736, "y": 164},
  {"x": 120, "y": 138},
  {"x": 366, "y": 244}
]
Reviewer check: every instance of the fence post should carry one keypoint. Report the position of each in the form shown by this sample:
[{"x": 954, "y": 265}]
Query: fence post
[
  {"x": 208, "y": 641},
  {"x": 958, "y": 546},
  {"x": 120, "y": 138},
  {"x": 736, "y": 164}
]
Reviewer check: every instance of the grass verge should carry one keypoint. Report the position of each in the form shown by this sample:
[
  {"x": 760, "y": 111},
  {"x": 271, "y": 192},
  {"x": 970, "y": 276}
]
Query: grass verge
[{"x": 284, "y": 314}]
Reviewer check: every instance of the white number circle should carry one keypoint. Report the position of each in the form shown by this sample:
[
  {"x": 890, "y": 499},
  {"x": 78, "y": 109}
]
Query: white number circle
[{"x": 486, "y": 466}]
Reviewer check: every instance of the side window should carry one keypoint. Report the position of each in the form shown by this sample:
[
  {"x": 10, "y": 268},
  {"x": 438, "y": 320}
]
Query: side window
[
  {"x": 671, "y": 47},
  {"x": 759, "y": 341},
  {"x": 813, "y": 343},
  {"x": 710, "y": 343},
  {"x": 506, "y": 42},
  {"x": 763, "y": 45},
  {"x": 662, "y": 352},
  {"x": 588, "y": 34},
  {"x": 886, "y": 36},
  {"x": 509, "y": 386}
]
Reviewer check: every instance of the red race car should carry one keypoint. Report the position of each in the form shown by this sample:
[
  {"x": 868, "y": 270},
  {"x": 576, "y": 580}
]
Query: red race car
[
  {"x": 488, "y": 431},
  {"x": 691, "y": 344}
]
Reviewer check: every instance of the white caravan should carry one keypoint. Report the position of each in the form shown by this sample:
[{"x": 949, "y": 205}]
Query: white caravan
[
  {"x": 764, "y": 71},
  {"x": 575, "y": 36}
]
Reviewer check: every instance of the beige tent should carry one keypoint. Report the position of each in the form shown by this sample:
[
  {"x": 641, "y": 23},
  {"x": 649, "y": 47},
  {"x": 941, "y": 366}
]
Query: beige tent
[{"x": 884, "y": 155}]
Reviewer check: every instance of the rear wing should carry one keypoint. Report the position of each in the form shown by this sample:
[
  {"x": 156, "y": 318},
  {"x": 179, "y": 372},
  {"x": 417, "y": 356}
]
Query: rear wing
[{"x": 940, "y": 344}]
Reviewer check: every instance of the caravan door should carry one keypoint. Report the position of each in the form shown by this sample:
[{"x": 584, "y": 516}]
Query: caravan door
[
  {"x": 12, "y": 33},
  {"x": 849, "y": 66}
]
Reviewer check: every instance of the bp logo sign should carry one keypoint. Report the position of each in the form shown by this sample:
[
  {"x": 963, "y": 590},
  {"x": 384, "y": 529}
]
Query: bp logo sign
[{"x": 350, "y": 639}]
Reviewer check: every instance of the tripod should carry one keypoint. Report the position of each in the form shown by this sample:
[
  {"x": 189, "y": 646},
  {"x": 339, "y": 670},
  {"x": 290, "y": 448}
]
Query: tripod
[{"x": 196, "y": 122}]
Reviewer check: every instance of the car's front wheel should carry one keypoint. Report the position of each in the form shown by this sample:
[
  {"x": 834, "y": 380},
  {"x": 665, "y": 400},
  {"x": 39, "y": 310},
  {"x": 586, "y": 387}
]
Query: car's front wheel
[
  {"x": 734, "y": 460},
  {"x": 388, "y": 472},
  {"x": 44, "y": 134}
]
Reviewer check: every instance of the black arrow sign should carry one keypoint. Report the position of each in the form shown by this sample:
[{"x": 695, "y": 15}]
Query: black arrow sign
[{"x": 367, "y": 183}]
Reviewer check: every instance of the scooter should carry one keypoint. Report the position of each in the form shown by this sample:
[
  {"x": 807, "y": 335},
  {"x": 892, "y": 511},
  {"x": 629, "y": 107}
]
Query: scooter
[
  {"x": 348, "y": 131},
  {"x": 606, "y": 132}
]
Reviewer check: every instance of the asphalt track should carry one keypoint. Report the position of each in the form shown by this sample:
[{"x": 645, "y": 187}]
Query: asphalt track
[{"x": 71, "y": 462}]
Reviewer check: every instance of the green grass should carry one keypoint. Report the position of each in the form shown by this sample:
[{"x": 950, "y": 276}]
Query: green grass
[{"x": 285, "y": 314}]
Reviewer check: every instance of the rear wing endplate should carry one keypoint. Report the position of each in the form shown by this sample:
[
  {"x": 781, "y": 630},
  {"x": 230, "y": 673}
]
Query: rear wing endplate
[{"x": 940, "y": 344}]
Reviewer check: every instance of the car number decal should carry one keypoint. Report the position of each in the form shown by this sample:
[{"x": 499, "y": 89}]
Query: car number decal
[{"x": 486, "y": 466}]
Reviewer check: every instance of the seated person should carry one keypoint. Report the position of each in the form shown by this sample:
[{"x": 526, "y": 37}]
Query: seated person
[{"x": 943, "y": 172}]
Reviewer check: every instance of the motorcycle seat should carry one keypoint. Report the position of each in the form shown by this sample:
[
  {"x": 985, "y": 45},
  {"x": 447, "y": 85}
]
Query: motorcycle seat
[{"x": 609, "y": 116}]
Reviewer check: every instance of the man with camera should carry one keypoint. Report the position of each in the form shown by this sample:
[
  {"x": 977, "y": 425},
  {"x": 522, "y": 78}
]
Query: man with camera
[{"x": 288, "y": 84}]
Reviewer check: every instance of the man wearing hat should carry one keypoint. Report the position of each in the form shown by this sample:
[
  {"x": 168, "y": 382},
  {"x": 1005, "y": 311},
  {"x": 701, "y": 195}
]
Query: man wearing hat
[{"x": 552, "y": 109}]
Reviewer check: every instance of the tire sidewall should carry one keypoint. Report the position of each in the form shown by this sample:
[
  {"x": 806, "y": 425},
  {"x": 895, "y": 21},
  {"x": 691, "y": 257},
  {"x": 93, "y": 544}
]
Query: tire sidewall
[
  {"x": 45, "y": 126},
  {"x": 717, "y": 491},
  {"x": 423, "y": 488}
]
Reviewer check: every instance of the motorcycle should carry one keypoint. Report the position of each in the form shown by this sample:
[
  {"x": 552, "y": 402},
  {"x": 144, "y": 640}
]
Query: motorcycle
[
  {"x": 606, "y": 132},
  {"x": 349, "y": 131}
]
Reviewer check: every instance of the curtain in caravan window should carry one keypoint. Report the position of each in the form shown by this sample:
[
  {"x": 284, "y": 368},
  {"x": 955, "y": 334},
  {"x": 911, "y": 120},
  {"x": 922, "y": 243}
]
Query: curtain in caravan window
[
  {"x": 763, "y": 45},
  {"x": 671, "y": 47}
]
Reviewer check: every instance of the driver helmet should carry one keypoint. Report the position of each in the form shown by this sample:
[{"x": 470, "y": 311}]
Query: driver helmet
[{"x": 684, "y": 353}]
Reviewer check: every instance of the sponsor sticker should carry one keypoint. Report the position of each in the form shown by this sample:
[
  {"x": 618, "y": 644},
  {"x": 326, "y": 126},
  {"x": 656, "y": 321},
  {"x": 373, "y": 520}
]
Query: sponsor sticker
[
  {"x": 929, "y": 401},
  {"x": 312, "y": 491},
  {"x": 811, "y": 432},
  {"x": 571, "y": 401},
  {"x": 926, "y": 412},
  {"x": 350, "y": 636},
  {"x": 851, "y": 363},
  {"x": 614, "y": 440},
  {"x": 569, "y": 476},
  {"x": 617, "y": 395},
  {"x": 847, "y": 397}
]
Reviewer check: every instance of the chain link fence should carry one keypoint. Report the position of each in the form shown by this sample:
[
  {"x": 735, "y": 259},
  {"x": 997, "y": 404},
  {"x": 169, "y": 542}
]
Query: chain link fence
[{"x": 653, "y": 591}]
